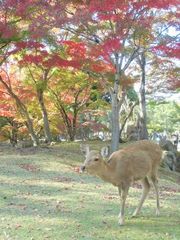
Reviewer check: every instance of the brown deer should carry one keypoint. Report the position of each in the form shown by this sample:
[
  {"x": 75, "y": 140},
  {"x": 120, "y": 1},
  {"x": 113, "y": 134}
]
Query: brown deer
[{"x": 137, "y": 161}]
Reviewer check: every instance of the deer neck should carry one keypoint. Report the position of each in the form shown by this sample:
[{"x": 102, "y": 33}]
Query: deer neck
[{"x": 106, "y": 173}]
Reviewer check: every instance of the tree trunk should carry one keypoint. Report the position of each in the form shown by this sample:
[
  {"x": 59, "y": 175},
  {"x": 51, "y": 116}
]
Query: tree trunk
[
  {"x": 115, "y": 123},
  {"x": 74, "y": 122},
  {"x": 115, "y": 114},
  {"x": 69, "y": 124},
  {"x": 14, "y": 131},
  {"x": 142, "y": 122},
  {"x": 30, "y": 128},
  {"x": 28, "y": 121},
  {"x": 66, "y": 120},
  {"x": 47, "y": 131}
]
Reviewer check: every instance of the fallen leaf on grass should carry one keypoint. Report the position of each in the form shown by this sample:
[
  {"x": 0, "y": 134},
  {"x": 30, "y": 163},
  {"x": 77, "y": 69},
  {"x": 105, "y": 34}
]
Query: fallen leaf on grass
[
  {"x": 29, "y": 167},
  {"x": 63, "y": 179},
  {"x": 170, "y": 189},
  {"x": 17, "y": 226},
  {"x": 110, "y": 197},
  {"x": 76, "y": 169},
  {"x": 20, "y": 206}
]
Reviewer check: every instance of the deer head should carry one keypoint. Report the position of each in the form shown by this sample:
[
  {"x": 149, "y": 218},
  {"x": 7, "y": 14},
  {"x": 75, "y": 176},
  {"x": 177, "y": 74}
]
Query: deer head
[{"x": 94, "y": 160}]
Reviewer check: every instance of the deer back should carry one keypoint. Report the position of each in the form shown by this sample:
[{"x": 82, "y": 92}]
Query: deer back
[{"x": 136, "y": 161}]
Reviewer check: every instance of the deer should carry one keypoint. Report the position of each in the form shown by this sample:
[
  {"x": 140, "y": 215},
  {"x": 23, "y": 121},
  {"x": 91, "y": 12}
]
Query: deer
[{"x": 137, "y": 161}]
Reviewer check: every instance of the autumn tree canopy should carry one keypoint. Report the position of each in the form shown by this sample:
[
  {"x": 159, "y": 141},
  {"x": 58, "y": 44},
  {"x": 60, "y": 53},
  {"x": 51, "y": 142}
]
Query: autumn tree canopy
[{"x": 109, "y": 41}]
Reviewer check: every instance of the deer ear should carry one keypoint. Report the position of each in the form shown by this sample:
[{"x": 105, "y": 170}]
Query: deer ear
[
  {"x": 84, "y": 148},
  {"x": 105, "y": 151}
]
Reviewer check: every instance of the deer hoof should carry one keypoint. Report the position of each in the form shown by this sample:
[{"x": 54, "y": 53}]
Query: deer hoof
[
  {"x": 157, "y": 213},
  {"x": 135, "y": 214},
  {"x": 121, "y": 222}
]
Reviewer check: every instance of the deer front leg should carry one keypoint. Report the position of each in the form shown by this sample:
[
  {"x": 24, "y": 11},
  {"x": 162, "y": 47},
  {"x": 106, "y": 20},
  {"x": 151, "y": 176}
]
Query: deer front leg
[{"x": 123, "y": 192}]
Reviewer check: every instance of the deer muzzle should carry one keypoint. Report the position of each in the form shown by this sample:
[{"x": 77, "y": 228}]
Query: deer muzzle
[{"x": 82, "y": 168}]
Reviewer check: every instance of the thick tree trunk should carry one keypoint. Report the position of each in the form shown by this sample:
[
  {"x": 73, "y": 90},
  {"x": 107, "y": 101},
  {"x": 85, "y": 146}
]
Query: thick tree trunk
[
  {"x": 142, "y": 122},
  {"x": 46, "y": 127},
  {"x": 115, "y": 122},
  {"x": 115, "y": 114}
]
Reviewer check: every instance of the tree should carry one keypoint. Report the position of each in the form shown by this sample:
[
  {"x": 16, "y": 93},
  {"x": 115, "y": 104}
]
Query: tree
[
  {"x": 100, "y": 39},
  {"x": 38, "y": 76},
  {"x": 163, "y": 116},
  {"x": 71, "y": 93},
  {"x": 8, "y": 123},
  {"x": 108, "y": 29},
  {"x": 148, "y": 41},
  {"x": 41, "y": 64},
  {"x": 13, "y": 88},
  {"x": 28, "y": 20}
]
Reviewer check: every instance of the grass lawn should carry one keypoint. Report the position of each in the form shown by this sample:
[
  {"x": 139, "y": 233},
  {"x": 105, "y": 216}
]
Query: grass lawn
[{"x": 43, "y": 197}]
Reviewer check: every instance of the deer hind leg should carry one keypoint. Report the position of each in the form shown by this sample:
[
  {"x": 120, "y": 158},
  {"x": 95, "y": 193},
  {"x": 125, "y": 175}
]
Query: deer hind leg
[
  {"x": 146, "y": 188},
  {"x": 155, "y": 184},
  {"x": 123, "y": 192}
]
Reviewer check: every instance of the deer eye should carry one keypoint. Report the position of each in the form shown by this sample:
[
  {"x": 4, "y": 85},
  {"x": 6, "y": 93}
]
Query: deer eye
[{"x": 96, "y": 159}]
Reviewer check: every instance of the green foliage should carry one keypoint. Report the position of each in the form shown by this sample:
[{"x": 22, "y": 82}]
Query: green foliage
[
  {"x": 132, "y": 95},
  {"x": 163, "y": 116},
  {"x": 5, "y": 129},
  {"x": 3, "y": 121}
]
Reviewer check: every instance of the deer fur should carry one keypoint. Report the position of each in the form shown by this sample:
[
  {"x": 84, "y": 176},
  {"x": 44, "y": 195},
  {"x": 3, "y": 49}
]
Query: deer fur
[{"x": 137, "y": 161}]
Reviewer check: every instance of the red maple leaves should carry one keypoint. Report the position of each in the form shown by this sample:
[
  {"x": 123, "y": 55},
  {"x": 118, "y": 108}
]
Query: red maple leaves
[{"x": 172, "y": 51}]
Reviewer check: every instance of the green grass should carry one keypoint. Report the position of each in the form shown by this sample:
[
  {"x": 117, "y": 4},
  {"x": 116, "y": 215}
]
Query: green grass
[{"x": 42, "y": 197}]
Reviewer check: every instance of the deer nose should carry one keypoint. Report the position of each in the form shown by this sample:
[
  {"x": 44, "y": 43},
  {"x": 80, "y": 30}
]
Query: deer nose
[{"x": 82, "y": 168}]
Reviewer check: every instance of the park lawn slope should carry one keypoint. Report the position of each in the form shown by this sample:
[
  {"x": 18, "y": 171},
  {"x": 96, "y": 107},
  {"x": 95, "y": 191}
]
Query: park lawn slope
[{"x": 42, "y": 196}]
